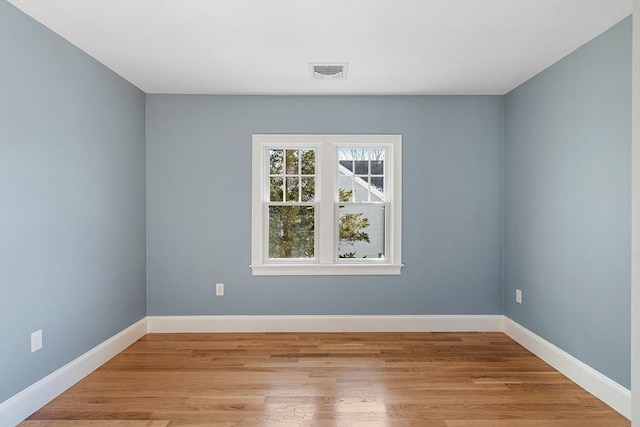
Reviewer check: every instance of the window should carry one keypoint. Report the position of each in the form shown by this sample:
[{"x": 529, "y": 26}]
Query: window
[{"x": 326, "y": 204}]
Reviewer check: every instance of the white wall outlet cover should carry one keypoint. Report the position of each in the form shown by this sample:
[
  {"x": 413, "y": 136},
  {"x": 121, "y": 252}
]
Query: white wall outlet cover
[
  {"x": 518, "y": 296},
  {"x": 36, "y": 340}
]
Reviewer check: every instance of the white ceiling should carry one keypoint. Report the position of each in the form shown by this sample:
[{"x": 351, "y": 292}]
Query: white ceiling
[{"x": 264, "y": 46}]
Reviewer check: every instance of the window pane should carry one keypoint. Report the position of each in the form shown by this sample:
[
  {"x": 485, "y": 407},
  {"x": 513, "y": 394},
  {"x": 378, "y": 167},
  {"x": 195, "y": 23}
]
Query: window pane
[
  {"x": 361, "y": 190},
  {"x": 291, "y": 232},
  {"x": 344, "y": 155},
  {"x": 377, "y": 155},
  {"x": 347, "y": 167},
  {"x": 293, "y": 189},
  {"x": 308, "y": 158},
  {"x": 275, "y": 162},
  {"x": 308, "y": 186},
  {"x": 362, "y": 167},
  {"x": 377, "y": 167},
  {"x": 292, "y": 162},
  {"x": 378, "y": 183},
  {"x": 276, "y": 189},
  {"x": 345, "y": 195},
  {"x": 361, "y": 231}
]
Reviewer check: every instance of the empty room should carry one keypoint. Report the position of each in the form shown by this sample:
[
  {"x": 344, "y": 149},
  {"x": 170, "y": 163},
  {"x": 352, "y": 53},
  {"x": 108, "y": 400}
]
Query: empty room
[{"x": 320, "y": 213}]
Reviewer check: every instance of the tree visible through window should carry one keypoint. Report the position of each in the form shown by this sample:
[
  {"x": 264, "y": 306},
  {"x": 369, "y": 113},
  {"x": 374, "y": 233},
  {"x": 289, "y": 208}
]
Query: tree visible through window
[
  {"x": 291, "y": 208},
  {"x": 352, "y": 226}
]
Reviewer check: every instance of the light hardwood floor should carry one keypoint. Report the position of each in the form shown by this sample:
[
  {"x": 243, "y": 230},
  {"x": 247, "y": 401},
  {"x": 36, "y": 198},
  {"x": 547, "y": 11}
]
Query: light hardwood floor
[{"x": 328, "y": 379}]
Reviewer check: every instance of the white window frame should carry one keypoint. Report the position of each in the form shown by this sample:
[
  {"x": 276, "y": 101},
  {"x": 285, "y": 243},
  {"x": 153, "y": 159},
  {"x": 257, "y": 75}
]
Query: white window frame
[{"x": 325, "y": 261}]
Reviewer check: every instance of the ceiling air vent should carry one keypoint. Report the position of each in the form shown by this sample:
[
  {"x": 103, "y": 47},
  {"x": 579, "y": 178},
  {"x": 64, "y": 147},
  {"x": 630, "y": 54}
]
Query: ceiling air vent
[{"x": 328, "y": 71}]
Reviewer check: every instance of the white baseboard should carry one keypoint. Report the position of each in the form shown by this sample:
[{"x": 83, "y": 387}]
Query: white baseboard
[
  {"x": 601, "y": 386},
  {"x": 22, "y": 405},
  {"x": 326, "y": 323}
]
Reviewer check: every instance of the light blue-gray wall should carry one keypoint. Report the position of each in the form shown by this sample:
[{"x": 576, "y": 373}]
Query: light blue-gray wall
[
  {"x": 568, "y": 203},
  {"x": 199, "y": 204},
  {"x": 72, "y": 201}
]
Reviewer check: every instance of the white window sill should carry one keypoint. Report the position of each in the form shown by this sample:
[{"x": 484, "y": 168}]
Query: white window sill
[{"x": 325, "y": 269}]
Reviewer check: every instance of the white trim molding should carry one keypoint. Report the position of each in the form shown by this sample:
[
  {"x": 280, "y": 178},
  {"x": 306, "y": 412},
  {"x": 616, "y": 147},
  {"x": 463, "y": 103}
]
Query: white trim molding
[
  {"x": 326, "y": 323},
  {"x": 22, "y": 405},
  {"x": 302, "y": 269},
  {"x": 601, "y": 386}
]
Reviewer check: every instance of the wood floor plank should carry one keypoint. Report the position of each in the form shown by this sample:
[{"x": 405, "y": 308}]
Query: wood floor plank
[{"x": 326, "y": 379}]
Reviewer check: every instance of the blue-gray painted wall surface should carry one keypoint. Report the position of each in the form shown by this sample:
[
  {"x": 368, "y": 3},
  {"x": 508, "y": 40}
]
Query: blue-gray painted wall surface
[
  {"x": 199, "y": 204},
  {"x": 568, "y": 203},
  {"x": 72, "y": 201}
]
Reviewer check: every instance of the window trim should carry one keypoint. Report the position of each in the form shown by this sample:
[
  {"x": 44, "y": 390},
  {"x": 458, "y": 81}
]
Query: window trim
[{"x": 325, "y": 262}]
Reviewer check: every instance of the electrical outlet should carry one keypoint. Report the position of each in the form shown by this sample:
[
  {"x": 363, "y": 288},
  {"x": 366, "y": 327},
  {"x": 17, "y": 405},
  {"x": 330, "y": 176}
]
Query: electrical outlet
[
  {"x": 219, "y": 289},
  {"x": 518, "y": 296},
  {"x": 36, "y": 340}
]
